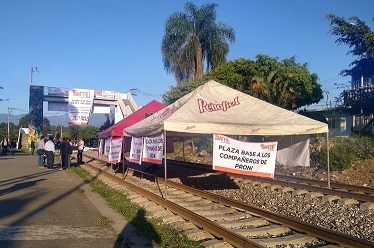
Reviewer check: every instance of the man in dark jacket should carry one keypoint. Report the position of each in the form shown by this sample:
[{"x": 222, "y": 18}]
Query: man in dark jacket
[{"x": 65, "y": 149}]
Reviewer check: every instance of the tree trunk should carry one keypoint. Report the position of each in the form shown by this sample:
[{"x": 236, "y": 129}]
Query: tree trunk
[{"x": 199, "y": 62}]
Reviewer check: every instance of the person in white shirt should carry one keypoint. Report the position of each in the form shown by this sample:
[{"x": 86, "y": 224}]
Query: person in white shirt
[
  {"x": 40, "y": 151},
  {"x": 49, "y": 148},
  {"x": 80, "y": 151}
]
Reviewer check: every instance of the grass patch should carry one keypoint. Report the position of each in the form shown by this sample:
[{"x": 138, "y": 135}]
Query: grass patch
[
  {"x": 162, "y": 235},
  {"x": 105, "y": 221}
]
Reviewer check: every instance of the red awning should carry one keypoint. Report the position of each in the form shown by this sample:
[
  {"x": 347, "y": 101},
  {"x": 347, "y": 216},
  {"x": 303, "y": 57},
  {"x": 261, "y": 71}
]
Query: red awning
[{"x": 117, "y": 129}]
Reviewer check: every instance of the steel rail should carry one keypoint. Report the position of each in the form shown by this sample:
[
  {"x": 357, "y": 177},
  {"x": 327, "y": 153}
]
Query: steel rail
[
  {"x": 335, "y": 185},
  {"x": 334, "y": 191},
  {"x": 297, "y": 225},
  {"x": 312, "y": 188},
  {"x": 210, "y": 226},
  {"x": 300, "y": 226}
]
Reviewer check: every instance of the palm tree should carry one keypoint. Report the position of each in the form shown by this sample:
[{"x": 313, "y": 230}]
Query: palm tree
[
  {"x": 192, "y": 39},
  {"x": 276, "y": 88}
]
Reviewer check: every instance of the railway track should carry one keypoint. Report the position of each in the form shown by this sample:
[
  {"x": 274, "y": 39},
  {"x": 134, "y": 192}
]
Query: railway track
[
  {"x": 340, "y": 190},
  {"x": 223, "y": 220}
]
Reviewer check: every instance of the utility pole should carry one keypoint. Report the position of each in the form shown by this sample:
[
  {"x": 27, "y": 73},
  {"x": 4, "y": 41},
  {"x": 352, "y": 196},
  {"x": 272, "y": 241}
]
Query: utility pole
[{"x": 8, "y": 121}]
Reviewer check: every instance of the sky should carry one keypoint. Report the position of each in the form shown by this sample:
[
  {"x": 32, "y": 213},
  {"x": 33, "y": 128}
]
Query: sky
[{"x": 115, "y": 45}]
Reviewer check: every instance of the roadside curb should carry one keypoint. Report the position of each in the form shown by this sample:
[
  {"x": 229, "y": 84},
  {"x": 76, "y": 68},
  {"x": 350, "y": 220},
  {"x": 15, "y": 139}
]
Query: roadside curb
[{"x": 123, "y": 228}]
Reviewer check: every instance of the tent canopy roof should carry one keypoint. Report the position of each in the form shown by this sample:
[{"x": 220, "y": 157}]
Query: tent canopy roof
[
  {"x": 140, "y": 114},
  {"x": 216, "y": 108}
]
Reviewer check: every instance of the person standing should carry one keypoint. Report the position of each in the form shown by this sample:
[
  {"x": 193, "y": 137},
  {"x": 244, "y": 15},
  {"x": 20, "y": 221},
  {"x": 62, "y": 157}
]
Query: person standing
[
  {"x": 80, "y": 151},
  {"x": 49, "y": 148},
  {"x": 70, "y": 152},
  {"x": 5, "y": 146},
  {"x": 32, "y": 146},
  {"x": 13, "y": 146},
  {"x": 40, "y": 152},
  {"x": 65, "y": 148}
]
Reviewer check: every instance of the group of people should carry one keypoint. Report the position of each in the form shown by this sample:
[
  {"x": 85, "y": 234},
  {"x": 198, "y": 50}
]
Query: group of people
[
  {"x": 7, "y": 146},
  {"x": 46, "y": 149}
]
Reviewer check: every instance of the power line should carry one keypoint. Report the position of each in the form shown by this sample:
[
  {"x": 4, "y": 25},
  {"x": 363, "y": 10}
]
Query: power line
[{"x": 136, "y": 91}]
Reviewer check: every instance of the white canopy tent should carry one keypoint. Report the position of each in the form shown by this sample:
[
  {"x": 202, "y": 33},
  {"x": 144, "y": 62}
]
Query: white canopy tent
[{"x": 216, "y": 108}]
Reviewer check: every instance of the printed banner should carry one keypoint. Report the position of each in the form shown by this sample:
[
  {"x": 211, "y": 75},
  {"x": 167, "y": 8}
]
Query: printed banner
[
  {"x": 101, "y": 147},
  {"x": 80, "y": 103},
  {"x": 136, "y": 150},
  {"x": 115, "y": 150},
  {"x": 57, "y": 91},
  {"x": 107, "y": 146},
  {"x": 246, "y": 158},
  {"x": 153, "y": 149},
  {"x": 105, "y": 95}
]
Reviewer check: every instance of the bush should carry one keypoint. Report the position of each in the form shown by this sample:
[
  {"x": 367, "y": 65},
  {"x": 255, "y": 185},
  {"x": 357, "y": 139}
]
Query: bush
[{"x": 344, "y": 151}]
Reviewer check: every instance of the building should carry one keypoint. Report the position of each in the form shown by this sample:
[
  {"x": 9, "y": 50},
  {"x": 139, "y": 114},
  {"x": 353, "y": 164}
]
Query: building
[{"x": 359, "y": 101}]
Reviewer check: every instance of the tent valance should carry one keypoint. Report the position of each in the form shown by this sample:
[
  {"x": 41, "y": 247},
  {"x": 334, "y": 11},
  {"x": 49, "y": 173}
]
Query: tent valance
[{"x": 117, "y": 129}]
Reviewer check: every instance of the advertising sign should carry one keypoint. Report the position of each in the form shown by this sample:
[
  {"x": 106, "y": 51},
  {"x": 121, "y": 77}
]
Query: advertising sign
[
  {"x": 115, "y": 150},
  {"x": 136, "y": 150},
  {"x": 57, "y": 91},
  {"x": 79, "y": 106},
  {"x": 246, "y": 158},
  {"x": 153, "y": 149},
  {"x": 105, "y": 95}
]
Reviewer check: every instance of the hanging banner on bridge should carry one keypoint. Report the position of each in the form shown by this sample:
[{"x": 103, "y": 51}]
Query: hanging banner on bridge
[
  {"x": 136, "y": 150},
  {"x": 153, "y": 149},
  {"x": 115, "y": 150},
  {"x": 80, "y": 102},
  {"x": 246, "y": 158}
]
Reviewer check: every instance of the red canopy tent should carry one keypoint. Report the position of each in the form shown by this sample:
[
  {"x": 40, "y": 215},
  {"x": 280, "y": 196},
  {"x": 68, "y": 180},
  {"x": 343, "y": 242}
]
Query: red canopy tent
[{"x": 117, "y": 129}]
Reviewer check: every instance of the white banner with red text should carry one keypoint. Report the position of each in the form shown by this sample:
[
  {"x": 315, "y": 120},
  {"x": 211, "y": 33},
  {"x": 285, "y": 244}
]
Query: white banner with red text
[
  {"x": 136, "y": 150},
  {"x": 80, "y": 102},
  {"x": 101, "y": 147},
  {"x": 115, "y": 150},
  {"x": 245, "y": 158},
  {"x": 153, "y": 149},
  {"x": 107, "y": 146}
]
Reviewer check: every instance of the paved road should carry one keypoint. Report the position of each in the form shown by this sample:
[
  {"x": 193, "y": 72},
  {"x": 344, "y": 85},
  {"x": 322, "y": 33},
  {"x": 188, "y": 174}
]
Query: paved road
[{"x": 42, "y": 208}]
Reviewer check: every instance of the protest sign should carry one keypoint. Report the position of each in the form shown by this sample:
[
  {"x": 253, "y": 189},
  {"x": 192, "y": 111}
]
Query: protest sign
[
  {"x": 246, "y": 158},
  {"x": 153, "y": 149},
  {"x": 136, "y": 150},
  {"x": 115, "y": 150}
]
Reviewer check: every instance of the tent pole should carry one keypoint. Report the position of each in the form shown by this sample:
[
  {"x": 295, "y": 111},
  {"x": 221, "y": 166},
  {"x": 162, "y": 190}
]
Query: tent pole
[
  {"x": 123, "y": 156},
  {"x": 166, "y": 192},
  {"x": 328, "y": 160}
]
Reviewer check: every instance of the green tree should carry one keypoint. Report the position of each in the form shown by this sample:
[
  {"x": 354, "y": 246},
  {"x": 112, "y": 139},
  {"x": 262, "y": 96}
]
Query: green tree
[
  {"x": 360, "y": 39},
  {"x": 25, "y": 120},
  {"x": 89, "y": 132},
  {"x": 45, "y": 128},
  {"x": 192, "y": 38},
  {"x": 86, "y": 133},
  {"x": 285, "y": 83},
  {"x": 75, "y": 132},
  {"x": 108, "y": 123}
]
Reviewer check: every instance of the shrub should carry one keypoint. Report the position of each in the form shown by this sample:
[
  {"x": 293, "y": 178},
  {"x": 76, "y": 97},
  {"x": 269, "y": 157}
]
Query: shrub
[{"x": 343, "y": 151}]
